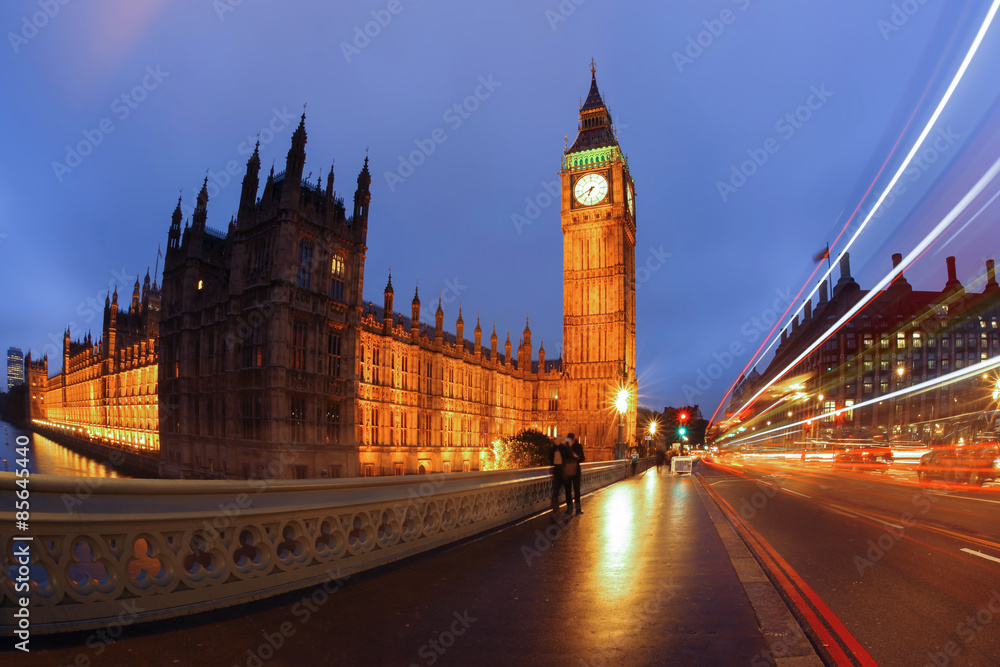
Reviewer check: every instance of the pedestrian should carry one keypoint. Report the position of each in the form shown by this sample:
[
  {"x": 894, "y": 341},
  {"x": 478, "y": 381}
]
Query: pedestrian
[
  {"x": 560, "y": 455},
  {"x": 576, "y": 449},
  {"x": 661, "y": 456}
]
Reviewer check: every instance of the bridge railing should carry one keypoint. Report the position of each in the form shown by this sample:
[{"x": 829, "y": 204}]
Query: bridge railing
[{"x": 97, "y": 550}]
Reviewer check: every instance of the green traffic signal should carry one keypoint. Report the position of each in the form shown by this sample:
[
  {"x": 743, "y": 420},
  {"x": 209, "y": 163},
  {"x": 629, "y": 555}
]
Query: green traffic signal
[{"x": 682, "y": 431}]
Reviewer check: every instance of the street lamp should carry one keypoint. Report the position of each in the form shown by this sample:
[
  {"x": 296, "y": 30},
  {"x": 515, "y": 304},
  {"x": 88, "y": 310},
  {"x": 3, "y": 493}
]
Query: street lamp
[{"x": 621, "y": 405}]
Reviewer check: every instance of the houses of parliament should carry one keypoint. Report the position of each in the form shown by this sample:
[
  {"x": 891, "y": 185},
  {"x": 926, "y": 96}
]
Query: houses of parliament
[{"x": 261, "y": 357}]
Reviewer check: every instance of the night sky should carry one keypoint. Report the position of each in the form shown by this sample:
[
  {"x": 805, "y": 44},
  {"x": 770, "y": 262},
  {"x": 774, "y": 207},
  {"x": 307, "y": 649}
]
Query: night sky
[{"x": 818, "y": 94}]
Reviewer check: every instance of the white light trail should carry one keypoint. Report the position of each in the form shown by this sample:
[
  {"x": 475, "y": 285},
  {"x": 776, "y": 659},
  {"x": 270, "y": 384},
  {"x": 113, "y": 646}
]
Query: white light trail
[
  {"x": 954, "y": 376},
  {"x": 939, "y": 229},
  {"x": 990, "y": 15}
]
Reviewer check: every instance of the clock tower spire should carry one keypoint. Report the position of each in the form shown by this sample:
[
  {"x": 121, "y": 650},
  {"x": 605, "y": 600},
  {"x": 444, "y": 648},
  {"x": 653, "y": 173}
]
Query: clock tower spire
[{"x": 598, "y": 225}]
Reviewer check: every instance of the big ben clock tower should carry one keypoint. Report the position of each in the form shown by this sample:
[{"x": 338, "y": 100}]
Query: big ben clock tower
[{"x": 598, "y": 225}]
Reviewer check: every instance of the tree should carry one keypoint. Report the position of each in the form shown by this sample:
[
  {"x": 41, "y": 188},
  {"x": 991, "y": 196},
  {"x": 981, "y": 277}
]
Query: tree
[{"x": 528, "y": 449}]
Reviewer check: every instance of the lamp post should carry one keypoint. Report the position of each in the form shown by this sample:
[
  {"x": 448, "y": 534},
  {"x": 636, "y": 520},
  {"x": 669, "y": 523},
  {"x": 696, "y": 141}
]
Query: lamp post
[
  {"x": 652, "y": 437},
  {"x": 621, "y": 405}
]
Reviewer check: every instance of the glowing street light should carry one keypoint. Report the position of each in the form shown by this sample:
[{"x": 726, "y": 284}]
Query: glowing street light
[
  {"x": 900, "y": 371},
  {"x": 621, "y": 403}
]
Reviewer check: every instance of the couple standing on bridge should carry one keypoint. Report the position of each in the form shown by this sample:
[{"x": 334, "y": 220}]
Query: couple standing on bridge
[{"x": 566, "y": 459}]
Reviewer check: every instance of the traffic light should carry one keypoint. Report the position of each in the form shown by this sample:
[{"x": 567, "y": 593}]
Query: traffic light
[
  {"x": 682, "y": 431},
  {"x": 682, "y": 416}
]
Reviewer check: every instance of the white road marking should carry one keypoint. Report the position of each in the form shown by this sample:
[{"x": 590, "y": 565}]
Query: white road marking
[
  {"x": 887, "y": 523},
  {"x": 795, "y": 492},
  {"x": 981, "y": 555}
]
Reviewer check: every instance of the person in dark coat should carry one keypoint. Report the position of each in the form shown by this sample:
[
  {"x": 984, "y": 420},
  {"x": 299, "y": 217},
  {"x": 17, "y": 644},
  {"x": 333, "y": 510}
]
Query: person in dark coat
[
  {"x": 560, "y": 454},
  {"x": 577, "y": 450}
]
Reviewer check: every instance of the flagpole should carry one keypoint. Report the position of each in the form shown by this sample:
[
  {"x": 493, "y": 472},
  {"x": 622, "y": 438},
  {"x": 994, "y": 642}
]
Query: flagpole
[
  {"x": 157, "y": 269},
  {"x": 829, "y": 266}
]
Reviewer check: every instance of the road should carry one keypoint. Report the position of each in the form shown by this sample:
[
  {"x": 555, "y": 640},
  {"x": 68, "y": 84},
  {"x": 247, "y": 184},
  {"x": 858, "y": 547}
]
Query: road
[{"x": 911, "y": 571}]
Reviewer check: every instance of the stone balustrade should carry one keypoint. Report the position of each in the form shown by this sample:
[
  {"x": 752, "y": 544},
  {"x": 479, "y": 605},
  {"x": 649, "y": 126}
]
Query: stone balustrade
[{"x": 104, "y": 549}]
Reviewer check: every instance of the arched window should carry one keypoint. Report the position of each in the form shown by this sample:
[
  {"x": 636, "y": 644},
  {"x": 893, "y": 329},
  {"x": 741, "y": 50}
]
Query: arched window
[{"x": 337, "y": 271}]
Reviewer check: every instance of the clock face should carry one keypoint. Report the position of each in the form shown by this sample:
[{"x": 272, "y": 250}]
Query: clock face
[
  {"x": 591, "y": 189},
  {"x": 631, "y": 202}
]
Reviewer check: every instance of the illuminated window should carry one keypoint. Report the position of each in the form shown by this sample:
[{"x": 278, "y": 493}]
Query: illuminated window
[
  {"x": 337, "y": 271},
  {"x": 901, "y": 341},
  {"x": 916, "y": 340},
  {"x": 201, "y": 283}
]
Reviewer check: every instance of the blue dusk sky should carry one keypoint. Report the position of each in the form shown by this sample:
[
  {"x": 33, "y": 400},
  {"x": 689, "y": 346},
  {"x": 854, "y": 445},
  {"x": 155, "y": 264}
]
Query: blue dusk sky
[{"x": 753, "y": 131}]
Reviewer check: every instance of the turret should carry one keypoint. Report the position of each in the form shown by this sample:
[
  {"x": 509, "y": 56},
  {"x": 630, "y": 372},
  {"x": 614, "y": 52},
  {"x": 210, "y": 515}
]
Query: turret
[
  {"x": 268, "y": 194},
  {"x": 493, "y": 343},
  {"x": 174, "y": 237},
  {"x": 328, "y": 203},
  {"x": 506, "y": 350},
  {"x": 459, "y": 330},
  {"x": 439, "y": 323},
  {"x": 135, "y": 296},
  {"x": 295, "y": 162},
  {"x": 145, "y": 290},
  {"x": 478, "y": 339},
  {"x": 112, "y": 332},
  {"x": 415, "y": 314},
  {"x": 524, "y": 353},
  {"x": 362, "y": 196},
  {"x": 248, "y": 197},
  {"x": 200, "y": 209},
  {"x": 541, "y": 357},
  {"x": 65, "y": 372},
  {"x": 387, "y": 307}
]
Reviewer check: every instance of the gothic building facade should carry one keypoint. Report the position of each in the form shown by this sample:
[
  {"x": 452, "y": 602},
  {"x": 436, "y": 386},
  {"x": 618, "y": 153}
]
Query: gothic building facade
[
  {"x": 107, "y": 389},
  {"x": 269, "y": 363},
  {"x": 901, "y": 338}
]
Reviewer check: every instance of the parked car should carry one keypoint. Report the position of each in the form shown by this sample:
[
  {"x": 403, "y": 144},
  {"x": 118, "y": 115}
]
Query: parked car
[{"x": 974, "y": 464}]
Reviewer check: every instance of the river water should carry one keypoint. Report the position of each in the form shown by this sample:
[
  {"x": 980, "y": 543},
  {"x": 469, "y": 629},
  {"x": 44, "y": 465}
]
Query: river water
[{"x": 46, "y": 457}]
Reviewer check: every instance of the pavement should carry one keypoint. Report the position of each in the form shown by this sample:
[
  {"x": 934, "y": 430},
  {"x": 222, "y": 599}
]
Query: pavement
[{"x": 650, "y": 574}]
